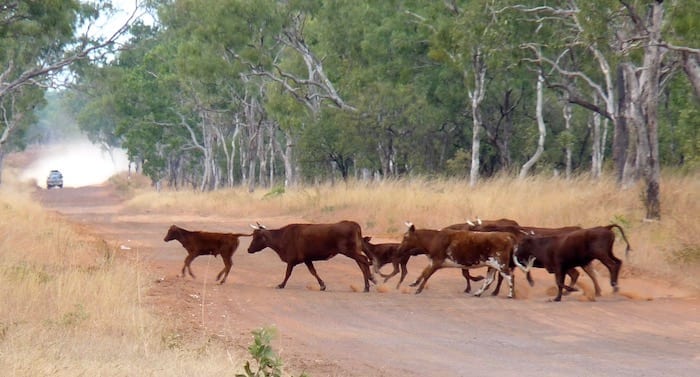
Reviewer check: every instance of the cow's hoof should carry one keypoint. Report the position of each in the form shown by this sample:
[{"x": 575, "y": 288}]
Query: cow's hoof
[
  {"x": 323, "y": 287},
  {"x": 280, "y": 286},
  {"x": 477, "y": 294}
]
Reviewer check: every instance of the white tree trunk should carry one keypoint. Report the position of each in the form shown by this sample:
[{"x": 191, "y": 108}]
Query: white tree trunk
[
  {"x": 540, "y": 126},
  {"x": 477, "y": 96},
  {"x": 566, "y": 112}
]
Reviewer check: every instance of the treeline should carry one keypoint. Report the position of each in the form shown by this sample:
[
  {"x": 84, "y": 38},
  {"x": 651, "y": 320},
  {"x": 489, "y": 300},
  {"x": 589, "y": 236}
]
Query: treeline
[{"x": 220, "y": 93}]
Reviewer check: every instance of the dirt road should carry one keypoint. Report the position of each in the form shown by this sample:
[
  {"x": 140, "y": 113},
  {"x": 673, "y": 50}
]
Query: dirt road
[{"x": 652, "y": 328}]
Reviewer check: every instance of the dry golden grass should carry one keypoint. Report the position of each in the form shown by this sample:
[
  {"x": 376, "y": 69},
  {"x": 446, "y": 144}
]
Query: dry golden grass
[
  {"x": 670, "y": 247},
  {"x": 69, "y": 308}
]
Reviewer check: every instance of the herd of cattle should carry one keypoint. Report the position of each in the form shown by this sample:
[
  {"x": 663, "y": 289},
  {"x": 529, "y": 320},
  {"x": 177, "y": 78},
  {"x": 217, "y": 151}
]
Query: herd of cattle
[{"x": 500, "y": 245}]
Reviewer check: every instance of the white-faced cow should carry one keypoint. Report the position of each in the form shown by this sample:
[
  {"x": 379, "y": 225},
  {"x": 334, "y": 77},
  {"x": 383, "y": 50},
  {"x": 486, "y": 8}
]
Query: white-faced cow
[
  {"x": 464, "y": 250},
  {"x": 205, "y": 243},
  {"x": 306, "y": 243},
  {"x": 562, "y": 252}
]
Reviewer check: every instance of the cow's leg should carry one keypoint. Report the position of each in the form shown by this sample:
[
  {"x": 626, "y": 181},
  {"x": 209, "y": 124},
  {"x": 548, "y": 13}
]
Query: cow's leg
[
  {"x": 507, "y": 273},
  {"x": 613, "y": 264},
  {"x": 312, "y": 269},
  {"x": 404, "y": 272},
  {"x": 186, "y": 266},
  {"x": 287, "y": 274},
  {"x": 574, "y": 274},
  {"x": 498, "y": 286},
  {"x": 228, "y": 262},
  {"x": 427, "y": 272},
  {"x": 418, "y": 281},
  {"x": 594, "y": 276},
  {"x": 366, "y": 273},
  {"x": 465, "y": 273},
  {"x": 388, "y": 276},
  {"x": 469, "y": 278},
  {"x": 490, "y": 275},
  {"x": 559, "y": 276}
]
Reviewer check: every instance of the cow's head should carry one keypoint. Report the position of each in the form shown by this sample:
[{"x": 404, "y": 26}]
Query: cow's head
[
  {"x": 260, "y": 238},
  {"x": 410, "y": 240},
  {"x": 172, "y": 234}
]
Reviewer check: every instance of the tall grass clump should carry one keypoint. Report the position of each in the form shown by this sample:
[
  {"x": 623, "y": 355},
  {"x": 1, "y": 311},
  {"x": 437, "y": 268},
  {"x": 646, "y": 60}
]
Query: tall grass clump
[
  {"x": 70, "y": 307},
  {"x": 382, "y": 207}
]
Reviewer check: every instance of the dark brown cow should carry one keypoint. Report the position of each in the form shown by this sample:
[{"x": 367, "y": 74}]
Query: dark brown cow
[
  {"x": 306, "y": 243},
  {"x": 381, "y": 254},
  {"x": 464, "y": 250},
  {"x": 522, "y": 231},
  {"x": 562, "y": 252},
  {"x": 205, "y": 243}
]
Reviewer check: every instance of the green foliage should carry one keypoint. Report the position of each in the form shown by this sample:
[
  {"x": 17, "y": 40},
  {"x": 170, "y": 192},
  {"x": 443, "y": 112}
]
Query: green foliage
[
  {"x": 275, "y": 192},
  {"x": 267, "y": 362},
  {"x": 407, "y": 67}
]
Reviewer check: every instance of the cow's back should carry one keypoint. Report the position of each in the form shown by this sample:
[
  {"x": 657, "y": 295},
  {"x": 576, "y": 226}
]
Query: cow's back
[{"x": 323, "y": 240}]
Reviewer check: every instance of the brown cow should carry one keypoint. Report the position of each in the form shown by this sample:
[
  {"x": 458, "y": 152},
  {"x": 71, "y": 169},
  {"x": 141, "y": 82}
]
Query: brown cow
[
  {"x": 562, "y": 252},
  {"x": 381, "y": 254},
  {"x": 401, "y": 260},
  {"x": 464, "y": 250},
  {"x": 205, "y": 243},
  {"x": 306, "y": 243},
  {"x": 522, "y": 231}
]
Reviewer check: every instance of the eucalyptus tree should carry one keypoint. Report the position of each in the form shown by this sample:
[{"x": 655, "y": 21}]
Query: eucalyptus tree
[
  {"x": 626, "y": 35},
  {"x": 38, "y": 39}
]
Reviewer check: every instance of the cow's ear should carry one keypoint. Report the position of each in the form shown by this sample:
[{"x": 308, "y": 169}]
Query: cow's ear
[
  {"x": 367, "y": 238},
  {"x": 411, "y": 227}
]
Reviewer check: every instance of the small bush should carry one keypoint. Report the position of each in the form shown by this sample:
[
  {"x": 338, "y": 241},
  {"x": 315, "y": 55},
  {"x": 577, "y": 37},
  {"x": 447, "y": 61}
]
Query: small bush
[{"x": 268, "y": 362}]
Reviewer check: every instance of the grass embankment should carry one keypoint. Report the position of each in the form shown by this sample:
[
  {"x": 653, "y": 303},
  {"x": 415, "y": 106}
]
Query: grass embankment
[
  {"x": 70, "y": 308},
  {"x": 669, "y": 248}
]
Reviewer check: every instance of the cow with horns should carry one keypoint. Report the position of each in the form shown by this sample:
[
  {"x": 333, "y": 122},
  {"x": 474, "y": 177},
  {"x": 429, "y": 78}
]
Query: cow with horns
[
  {"x": 306, "y": 243},
  {"x": 560, "y": 253}
]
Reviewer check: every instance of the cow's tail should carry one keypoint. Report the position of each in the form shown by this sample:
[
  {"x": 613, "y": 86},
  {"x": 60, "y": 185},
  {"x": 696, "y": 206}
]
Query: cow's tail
[{"x": 622, "y": 232}]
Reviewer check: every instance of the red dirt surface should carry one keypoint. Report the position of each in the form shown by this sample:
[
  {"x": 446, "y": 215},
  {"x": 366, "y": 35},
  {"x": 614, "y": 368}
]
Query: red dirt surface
[{"x": 651, "y": 328}]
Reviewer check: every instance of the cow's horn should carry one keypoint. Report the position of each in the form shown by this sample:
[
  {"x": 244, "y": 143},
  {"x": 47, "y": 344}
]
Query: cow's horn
[
  {"x": 470, "y": 223},
  {"x": 408, "y": 224},
  {"x": 254, "y": 226},
  {"x": 478, "y": 220}
]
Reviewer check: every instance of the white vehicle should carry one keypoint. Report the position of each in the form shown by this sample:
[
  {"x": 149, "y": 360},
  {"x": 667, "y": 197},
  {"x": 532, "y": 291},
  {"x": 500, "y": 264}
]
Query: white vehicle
[{"x": 55, "y": 179}]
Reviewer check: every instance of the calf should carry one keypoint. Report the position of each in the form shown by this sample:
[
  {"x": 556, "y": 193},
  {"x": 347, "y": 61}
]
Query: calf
[
  {"x": 382, "y": 254},
  {"x": 205, "y": 243},
  {"x": 464, "y": 250},
  {"x": 561, "y": 252},
  {"x": 306, "y": 243}
]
